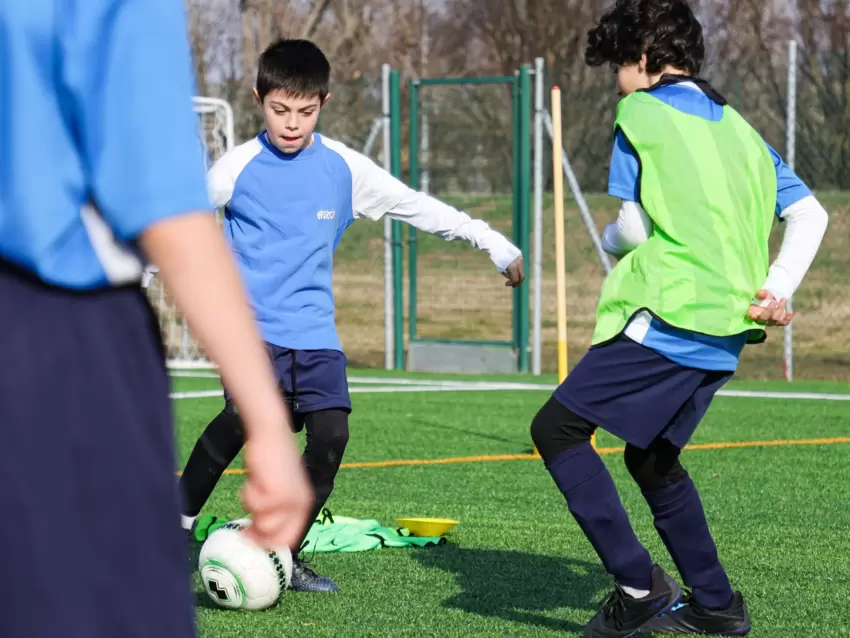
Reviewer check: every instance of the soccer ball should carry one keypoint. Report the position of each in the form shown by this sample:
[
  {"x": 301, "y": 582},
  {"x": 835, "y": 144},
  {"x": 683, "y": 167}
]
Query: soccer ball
[{"x": 239, "y": 574}]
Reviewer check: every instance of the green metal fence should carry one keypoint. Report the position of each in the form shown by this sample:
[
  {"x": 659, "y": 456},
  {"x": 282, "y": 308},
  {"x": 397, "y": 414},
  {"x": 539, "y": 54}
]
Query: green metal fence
[{"x": 469, "y": 128}]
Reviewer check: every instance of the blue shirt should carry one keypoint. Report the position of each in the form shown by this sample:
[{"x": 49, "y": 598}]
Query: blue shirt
[
  {"x": 97, "y": 136},
  {"x": 681, "y": 346},
  {"x": 286, "y": 213},
  {"x": 284, "y": 216}
]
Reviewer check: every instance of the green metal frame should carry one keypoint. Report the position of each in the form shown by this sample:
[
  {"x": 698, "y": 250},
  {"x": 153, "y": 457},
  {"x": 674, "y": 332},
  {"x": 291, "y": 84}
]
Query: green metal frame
[
  {"x": 397, "y": 236},
  {"x": 521, "y": 90}
]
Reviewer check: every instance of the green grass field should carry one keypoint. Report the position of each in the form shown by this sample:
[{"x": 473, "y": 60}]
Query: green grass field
[{"x": 517, "y": 565}]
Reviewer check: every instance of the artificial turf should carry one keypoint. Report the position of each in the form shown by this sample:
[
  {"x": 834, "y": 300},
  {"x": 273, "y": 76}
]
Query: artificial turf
[{"x": 517, "y": 564}]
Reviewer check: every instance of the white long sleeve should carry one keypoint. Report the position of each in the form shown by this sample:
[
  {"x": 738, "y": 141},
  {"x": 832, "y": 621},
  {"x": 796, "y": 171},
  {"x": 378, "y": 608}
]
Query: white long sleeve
[
  {"x": 632, "y": 228},
  {"x": 805, "y": 225},
  {"x": 376, "y": 193}
]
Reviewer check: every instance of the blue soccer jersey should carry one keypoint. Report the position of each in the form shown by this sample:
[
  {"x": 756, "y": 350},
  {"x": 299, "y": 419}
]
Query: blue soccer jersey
[
  {"x": 681, "y": 346},
  {"x": 286, "y": 213},
  {"x": 97, "y": 136}
]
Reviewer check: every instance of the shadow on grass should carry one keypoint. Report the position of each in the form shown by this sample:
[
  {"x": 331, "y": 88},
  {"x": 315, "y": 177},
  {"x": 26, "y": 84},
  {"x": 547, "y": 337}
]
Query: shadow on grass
[{"x": 517, "y": 586}]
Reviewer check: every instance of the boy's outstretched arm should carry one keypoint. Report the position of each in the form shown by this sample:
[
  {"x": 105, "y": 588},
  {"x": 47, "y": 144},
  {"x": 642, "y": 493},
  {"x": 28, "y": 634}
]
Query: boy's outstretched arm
[
  {"x": 377, "y": 193},
  {"x": 805, "y": 225}
]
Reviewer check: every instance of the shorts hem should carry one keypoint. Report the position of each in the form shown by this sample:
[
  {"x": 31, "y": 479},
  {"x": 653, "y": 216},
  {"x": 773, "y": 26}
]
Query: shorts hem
[
  {"x": 642, "y": 442},
  {"x": 336, "y": 404}
]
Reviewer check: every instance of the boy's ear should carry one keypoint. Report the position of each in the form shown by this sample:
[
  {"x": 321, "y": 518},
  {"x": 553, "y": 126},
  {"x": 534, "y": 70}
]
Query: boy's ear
[
  {"x": 327, "y": 97},
  {"x": 642, "y": 63},
  {"x": 257, "y": 99}
]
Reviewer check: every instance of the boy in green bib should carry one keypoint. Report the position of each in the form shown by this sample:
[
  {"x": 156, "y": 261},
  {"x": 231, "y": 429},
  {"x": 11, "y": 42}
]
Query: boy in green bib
[{"x": 700, "y": 189}]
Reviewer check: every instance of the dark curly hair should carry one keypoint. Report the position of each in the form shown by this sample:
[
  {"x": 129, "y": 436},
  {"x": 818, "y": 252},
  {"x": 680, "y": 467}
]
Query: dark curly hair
[{"x": 667, "y": 31}]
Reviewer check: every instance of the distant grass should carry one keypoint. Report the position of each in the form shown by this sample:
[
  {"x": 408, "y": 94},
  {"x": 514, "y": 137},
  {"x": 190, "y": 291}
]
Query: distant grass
[
  {"x": 517, "y": 565},
  {"x": 461, "y": 296}
]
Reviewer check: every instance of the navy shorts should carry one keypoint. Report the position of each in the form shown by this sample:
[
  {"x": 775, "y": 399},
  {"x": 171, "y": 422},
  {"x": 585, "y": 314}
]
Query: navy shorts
[
  {"x": 638, "y": 395},
  {"x": 311, "y": 380},
  {"x": 90, "y": 538}
]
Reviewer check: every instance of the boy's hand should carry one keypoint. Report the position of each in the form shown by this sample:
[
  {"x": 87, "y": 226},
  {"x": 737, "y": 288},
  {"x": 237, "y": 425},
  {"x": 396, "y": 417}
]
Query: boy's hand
[
  {"x": 515, "y": 273},
  {"x": 277, "y": 492},
  {"x": 769, "y": 312}
]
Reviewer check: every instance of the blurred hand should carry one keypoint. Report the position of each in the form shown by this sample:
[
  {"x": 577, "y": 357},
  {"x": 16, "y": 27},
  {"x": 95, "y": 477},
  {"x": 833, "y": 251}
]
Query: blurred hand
[
  {"x": 515, "y": 273},
  {"x": 277, "y": 493},
  {"x": 770, "y": 312}
]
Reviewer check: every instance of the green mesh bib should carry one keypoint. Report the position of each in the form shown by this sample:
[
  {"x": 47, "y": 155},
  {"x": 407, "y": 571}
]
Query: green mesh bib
[{"x": 710, "y": 190}]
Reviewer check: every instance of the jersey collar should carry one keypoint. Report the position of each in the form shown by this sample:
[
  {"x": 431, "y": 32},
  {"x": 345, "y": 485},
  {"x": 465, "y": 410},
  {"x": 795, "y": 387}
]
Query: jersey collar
[{"x": 669, "y": 79}]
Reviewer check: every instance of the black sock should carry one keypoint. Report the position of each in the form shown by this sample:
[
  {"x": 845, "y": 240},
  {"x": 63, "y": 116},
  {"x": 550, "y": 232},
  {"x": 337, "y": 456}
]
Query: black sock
[
  {"x": 680, "y": 521},
  {"x": 214, "y": 451},
  {"x": 594, "y": 502},
  {"x": 327, "y": 436}
]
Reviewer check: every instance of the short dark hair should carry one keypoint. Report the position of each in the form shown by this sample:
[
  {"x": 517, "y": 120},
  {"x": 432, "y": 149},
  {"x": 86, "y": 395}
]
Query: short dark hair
[
  {"x": 296, "y": 67},
  {"x": 667, "y": 31}
]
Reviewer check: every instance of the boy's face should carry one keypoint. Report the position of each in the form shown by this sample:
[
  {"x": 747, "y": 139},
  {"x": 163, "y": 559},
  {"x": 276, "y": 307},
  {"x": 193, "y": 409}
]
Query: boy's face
[
  {"x": 633, "y": 77},
  {"x": 290, "y": 121}
]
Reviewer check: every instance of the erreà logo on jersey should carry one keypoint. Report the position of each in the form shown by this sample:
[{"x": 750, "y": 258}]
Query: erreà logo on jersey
[{"x": 326, "y": 214}]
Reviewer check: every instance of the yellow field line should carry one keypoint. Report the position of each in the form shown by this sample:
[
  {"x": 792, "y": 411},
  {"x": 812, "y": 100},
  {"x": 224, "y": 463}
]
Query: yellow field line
[{"x": 607, "y": 450}]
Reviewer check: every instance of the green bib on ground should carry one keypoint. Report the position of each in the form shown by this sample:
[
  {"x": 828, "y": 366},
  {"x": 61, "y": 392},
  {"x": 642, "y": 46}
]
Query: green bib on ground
[
  {"x": 710, "y": 190},
  {"x": 343, "y": 534},
  {"x": 337, "y": 534}
]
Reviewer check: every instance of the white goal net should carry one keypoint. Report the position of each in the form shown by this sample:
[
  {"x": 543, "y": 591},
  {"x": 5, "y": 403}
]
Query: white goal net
[{"x": 216, "y": 135}]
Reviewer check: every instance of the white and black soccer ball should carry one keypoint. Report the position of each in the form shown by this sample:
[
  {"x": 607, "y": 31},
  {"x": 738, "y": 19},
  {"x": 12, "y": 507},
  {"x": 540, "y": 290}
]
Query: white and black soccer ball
[{"x": 239, "y": 574}]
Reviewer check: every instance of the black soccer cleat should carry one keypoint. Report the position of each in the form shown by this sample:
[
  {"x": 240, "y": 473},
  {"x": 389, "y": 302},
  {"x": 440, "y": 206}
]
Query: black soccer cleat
[
  {"x": 689, "y": 617},
  {"x": 305, "y": 579},
  {"x": 621, "y": 616}
]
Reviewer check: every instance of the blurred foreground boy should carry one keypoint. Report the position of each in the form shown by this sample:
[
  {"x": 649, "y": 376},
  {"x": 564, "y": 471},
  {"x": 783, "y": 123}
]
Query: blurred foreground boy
[{"x": 100, "y": 165}]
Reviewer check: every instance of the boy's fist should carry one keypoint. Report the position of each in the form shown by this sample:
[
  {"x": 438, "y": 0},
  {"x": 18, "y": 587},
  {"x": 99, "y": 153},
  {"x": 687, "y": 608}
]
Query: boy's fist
[
  {"x": 515, "y": 273},
  {"x": 769, "y": 312}
]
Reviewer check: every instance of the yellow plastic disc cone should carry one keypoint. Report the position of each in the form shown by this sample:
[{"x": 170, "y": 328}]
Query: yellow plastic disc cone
[{"x": 427, "y": 526}]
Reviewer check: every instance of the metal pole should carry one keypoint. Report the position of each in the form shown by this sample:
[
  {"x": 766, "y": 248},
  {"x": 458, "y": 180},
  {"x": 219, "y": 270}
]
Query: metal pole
[
  {"x": 413, "y": 182},
  {"x": 388, "y": 223},
  {"x": 524, "y": 129},
  {"x": 377, "y": 124},
  {"x": 790, "y": 159},
  {"x": 425, "y": 141},
  {"x": 537, "y": 254},
  {"x": 579, "y": 197},
  {"x": 398, "y": 272}
]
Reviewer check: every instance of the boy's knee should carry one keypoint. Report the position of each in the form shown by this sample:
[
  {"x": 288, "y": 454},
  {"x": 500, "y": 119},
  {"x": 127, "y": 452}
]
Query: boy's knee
[
  {"x": 328, "y": 431},
  {"x": 224, "y": 436},
  {"x": 556, "y": 429},
  {"x": 655, "y": 467}
]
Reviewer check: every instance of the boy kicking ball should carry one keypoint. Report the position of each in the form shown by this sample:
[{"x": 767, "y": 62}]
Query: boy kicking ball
[
  {"x": 289, "y": 194},
  {"x": 699, "y": 189}
]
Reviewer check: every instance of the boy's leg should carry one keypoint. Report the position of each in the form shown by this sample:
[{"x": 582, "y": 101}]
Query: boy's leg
[
  {"x": 713, "y": 608},
  {"x": 563, "y": 440},
  {"x": 327, "y": 438},
  {"x": 318, "y": 389},
  {"x": 214, "y": 451},
  {"x": 634, "y": 393},
  {"x": 218, "y": 446},
  {"x": 91, "y": 544},
  {"x": 643, "y": 589}
]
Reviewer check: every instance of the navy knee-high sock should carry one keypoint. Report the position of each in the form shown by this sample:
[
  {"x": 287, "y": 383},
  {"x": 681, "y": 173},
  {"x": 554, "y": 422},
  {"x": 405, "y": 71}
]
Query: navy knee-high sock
[
  {"x": 595, "y": 504},
  {"x": 680, "y": 521}
]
